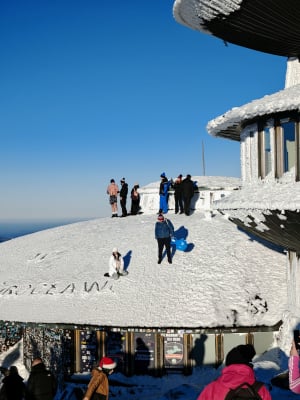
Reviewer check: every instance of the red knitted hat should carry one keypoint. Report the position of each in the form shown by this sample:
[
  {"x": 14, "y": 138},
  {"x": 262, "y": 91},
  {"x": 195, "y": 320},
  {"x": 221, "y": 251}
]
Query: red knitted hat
[{"x": 107, "y": 363}]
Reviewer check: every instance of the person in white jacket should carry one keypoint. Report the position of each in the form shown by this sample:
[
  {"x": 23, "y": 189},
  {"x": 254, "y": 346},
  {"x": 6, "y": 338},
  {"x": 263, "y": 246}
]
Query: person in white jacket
[{"x": 116, "y": 264}]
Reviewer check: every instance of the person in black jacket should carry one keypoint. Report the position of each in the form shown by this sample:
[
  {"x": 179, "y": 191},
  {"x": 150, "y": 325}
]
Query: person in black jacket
[
  {"x": 41, "y": 384},
  {"x": 123, "y": 197},
  {"x": 135, "y": 200},
  {"x": 178, "y": 194},
  {"x": 13, "y": 387},
  {"x": 188, "y": 190}
]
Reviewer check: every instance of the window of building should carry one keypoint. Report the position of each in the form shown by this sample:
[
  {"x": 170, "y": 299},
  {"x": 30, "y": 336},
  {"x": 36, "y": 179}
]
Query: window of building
[
  {"x": 279, "y": 141},
  {"x": 264, "y": 152},
  {"x": 285, "y": 148},
  {"x": 289, "y": 145}
]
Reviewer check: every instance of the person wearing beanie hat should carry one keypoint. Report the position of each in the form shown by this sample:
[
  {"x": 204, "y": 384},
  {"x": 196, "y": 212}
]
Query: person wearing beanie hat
[
  {"x": 116, "y": 265},
  {"x": 98, "y": 387},
  {"x": 242, "y": 354},
  {"x": 164, "y": 230},
  {"x": 123, "y": 197},
  {"x": 238, "y": 371},
  {"x": 164, "y": 193}
]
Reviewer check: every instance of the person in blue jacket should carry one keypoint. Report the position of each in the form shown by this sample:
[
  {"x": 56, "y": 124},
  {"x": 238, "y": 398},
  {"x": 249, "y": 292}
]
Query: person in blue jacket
[
  {"x": 164, "y": 230},
  {"x": 164, "y": 193}
]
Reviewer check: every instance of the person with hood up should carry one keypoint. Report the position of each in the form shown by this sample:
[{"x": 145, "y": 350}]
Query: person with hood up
[
  {"x": 116, "y": 265},
  {"x": 98, "y": 387},
  {"x": 164, "y": 230},
  {"x": 238, "y": 370}
]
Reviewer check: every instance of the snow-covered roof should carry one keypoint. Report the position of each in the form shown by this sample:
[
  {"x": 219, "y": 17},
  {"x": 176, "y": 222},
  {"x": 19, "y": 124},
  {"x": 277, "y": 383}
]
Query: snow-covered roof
[
  {"x": 270, "y": 26},
  {"x": 264, "y": 195},
  {"x": 230, "y": 123},
  {"x": 223, "y": 279},
  {"x": 195, "y": 13}
]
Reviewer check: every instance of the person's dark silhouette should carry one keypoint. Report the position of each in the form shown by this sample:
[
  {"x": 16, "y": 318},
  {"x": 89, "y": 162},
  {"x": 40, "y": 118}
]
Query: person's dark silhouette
[
  {"x": 142, "y": 357},
  {"x": 198, "y": 351}
]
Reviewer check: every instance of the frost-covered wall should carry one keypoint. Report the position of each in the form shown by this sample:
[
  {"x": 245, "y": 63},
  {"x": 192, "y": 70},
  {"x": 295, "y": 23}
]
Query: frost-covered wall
[
  {"x": 249, "y": 154},
  {"x": 292, "y": 76}
]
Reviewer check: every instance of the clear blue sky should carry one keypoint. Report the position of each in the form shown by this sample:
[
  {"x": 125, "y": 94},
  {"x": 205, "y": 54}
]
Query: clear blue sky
[{"x": 93, "y": 90}]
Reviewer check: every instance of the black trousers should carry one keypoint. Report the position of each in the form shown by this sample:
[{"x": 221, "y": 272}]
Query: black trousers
[
  {"x": 164, "y": 242},
  {"x": 123, "y": 206},
  {"x": 187, "y": 205},
  {"x": 178, "y": 202}
]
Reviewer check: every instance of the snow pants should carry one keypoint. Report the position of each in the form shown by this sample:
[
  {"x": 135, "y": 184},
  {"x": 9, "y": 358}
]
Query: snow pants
[{"x": 163, "y": 203}]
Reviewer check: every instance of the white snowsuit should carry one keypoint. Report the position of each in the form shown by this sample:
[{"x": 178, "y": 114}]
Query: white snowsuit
[{"x": 116, "y": 266}]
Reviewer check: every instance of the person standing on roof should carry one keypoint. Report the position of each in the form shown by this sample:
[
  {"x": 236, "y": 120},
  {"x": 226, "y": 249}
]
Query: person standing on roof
[
  {"x": 112, "y": 191},
  {"x": 123, "y": 197},
  {"x": 164, "y": 193},
  {"x": 135, "y": 199},
  {"x": 164, "y": 230},
  {"x": 178, "y": 194},
  {"x": 188, "y": 190}
]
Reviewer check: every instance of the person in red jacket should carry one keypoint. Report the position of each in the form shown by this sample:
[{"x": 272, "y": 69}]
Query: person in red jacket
[{"x": 238, "y": 370}]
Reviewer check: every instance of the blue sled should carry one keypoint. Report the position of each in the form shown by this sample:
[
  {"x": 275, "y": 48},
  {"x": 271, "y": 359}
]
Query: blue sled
[{"x": 180, "y": 244}]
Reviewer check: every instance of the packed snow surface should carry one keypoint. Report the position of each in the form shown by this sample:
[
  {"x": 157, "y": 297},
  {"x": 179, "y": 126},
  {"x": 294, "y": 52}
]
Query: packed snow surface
[{"x": 222, "y": 279}]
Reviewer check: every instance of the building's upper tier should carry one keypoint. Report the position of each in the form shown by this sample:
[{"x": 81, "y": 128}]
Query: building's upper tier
[
  {"x": 231, "y": 124},
  {"x": 270, "y": 26}
]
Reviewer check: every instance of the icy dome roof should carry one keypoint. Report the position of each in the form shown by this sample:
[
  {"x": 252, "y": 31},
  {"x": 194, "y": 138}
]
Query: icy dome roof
[{"x": 57, "y": 276}]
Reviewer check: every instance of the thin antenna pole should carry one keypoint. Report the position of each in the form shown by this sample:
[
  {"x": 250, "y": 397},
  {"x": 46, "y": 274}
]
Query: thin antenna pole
[{"x": 203, "y": 159}]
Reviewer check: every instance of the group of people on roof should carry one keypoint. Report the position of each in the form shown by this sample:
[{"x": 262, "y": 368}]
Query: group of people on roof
[
  {"x": 113, "y": 192},
  {"x": 184, "y": 190}
]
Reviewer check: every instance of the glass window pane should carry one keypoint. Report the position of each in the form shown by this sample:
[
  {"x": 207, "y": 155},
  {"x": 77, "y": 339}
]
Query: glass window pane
[
  {"x": 267, "y": 150},
  {"x": 289, "y": 145}
]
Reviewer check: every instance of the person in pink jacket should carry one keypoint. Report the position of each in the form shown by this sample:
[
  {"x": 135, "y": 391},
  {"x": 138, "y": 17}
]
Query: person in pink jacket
[
  {"x": 238, "y": 370},
  {"x": 294, "y": 375}
]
